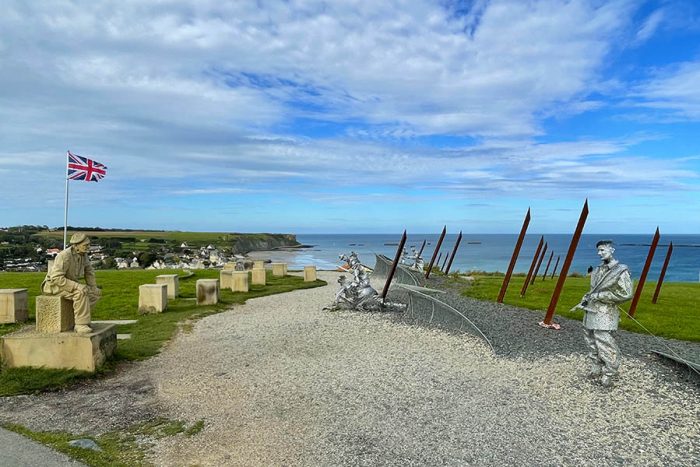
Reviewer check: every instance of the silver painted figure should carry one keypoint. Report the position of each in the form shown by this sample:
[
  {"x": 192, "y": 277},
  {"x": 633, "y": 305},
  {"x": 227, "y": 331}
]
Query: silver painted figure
[
  {"x": 418, "y": 262},
  {"x": 611, "y": 285}
]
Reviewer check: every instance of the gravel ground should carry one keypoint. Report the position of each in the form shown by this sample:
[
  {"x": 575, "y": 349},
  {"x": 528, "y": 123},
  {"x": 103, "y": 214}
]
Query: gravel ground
[{"x": 278, "y": 381}]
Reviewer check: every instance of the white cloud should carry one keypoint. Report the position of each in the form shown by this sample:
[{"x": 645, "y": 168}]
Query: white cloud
[
  {"x": 649, "y": 27},
  {"x": 675, "y": 90}
]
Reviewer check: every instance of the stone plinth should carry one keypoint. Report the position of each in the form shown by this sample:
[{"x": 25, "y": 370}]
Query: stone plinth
[
  {"x": 230, "y": 266},
  {"x": 207, "y": 291},
  {"x": 153, "y": 298},
  {"x": 279, "y": 269},
  {"x": 54, "y": 314},
  {"x": 240, "y": 281},
  {"x": 14, "y": 305},
  {"x": 66, "y": 350},
  {"x": 173, "y": 283},
  {"x": 259, "y": 264},
  {"x": 225, "y": 278},
  {"x": 309, "y": 273},
  {"x": 258, "y": 276}
]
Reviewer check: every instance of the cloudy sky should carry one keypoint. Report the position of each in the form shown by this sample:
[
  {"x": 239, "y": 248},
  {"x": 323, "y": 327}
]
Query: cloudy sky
[{"x": 353, "y": 116}]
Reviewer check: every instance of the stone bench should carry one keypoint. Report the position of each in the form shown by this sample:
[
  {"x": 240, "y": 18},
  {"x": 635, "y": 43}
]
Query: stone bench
[
  {"x": 225, "y": 278},
  {"x": 207, "y": 291},
  {"x": 309, "y": 273},
  {"x": 14, "y": 305},
  {"x": 279, "y": 269},
  {"x": 54, "y": 314},
  {"x": 240, "y": 281},
  {"x": 153, "y": 298},
  {"x": 258, "y": 276},
  {"x": 173, "y": 283}
]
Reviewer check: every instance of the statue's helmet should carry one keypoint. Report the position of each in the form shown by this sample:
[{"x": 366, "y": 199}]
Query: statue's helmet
[{"x": 77, "y": 238}]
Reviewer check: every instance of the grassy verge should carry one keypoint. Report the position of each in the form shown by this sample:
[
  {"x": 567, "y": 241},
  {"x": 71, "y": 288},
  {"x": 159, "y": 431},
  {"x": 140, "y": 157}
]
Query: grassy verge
[
  {"x": 117, "y": 448},
  {"x": 676, "y": 315},
  {"x": 120, "y": 301}
]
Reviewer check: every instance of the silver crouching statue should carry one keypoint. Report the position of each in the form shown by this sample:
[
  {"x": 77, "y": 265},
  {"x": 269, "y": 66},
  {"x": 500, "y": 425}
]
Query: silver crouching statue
[
  {"x": 418, "y": 262},
  {"x": 611, "y": 285},
  {"x": 358, "y": 293}
]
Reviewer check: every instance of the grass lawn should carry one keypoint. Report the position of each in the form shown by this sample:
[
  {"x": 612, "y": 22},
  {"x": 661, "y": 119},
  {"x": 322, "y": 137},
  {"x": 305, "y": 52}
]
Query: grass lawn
[
  {"x": 676, "y": 315},
  {"x": 120, "y": 301}
]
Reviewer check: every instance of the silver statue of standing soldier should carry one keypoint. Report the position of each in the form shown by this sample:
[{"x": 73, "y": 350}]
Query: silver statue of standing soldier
[
  {"x": 63, "y": 278},
  {"x": 611, "y": 285}
]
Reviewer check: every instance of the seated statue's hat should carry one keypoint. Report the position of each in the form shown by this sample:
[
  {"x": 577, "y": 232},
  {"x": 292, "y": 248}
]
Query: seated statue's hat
[{"x": 78, "y": 238}]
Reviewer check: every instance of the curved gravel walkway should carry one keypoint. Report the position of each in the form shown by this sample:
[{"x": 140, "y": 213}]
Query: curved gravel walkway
[{"x": 278, "y": 381}]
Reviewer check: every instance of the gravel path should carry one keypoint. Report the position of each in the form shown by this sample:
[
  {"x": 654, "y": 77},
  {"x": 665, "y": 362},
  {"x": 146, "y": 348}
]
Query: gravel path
[{"x": 278, "y": 381}]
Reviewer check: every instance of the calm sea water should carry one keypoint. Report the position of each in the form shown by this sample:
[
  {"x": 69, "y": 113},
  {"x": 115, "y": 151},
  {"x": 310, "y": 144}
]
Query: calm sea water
[{"x": 492, "y": 252}]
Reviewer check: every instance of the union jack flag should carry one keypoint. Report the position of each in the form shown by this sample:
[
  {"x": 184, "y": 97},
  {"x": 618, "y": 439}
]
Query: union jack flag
[{"x": 82, "y": 168}]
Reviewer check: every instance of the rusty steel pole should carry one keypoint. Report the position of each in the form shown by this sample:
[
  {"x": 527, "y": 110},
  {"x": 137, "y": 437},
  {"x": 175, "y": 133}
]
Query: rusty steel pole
[
  {"x": 551, "y": 255},
  {"x": 523, "y": 290},
  {"x": 663, "y": 273},
  {"x": 514, "y": 258},
  {"x": 454, "y": 252},
  {"x": 645, "y": 271},
  {"x": 567, "y": 264},
  {"x": 539, "y": 263},
  {"x": 437, "y": 262},
  {"x": 420, "y": 252},
  {"x": 556, "y": 265},
  {"x": 437, "y": 248},
  {"x": 399, "y": 250},
  {"x": 447, "y": 256}
]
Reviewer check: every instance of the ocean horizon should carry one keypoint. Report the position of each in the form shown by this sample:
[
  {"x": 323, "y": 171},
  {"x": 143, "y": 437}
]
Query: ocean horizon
[{"x": 492, "y": 252}]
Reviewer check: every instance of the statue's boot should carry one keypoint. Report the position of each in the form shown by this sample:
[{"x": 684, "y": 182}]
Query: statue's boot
[{"x": 82, "y": 329}]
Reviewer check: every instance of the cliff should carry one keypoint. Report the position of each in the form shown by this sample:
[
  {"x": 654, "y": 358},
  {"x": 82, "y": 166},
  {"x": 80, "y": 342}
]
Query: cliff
[{"x": 261, "y": 242}]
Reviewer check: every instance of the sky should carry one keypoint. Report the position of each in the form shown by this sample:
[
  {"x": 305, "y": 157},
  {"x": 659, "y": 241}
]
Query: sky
[{"x": 307, "y": 116}]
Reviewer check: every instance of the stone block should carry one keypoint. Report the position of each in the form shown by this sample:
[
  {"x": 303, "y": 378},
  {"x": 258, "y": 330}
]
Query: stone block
[
  {"x": 86, "y": 352},
  {"x": 54, "y": 314},
  {"x": 207, "y": 291},
  {"x": 153, "y": 298},
  {"x": 230, "y": 266},
  {"x": 309, "y": 273},
  {"x": 173, "y": 283},
  {"x": 225, "y": 278},
  {"x": 258, "y": 276},
  {"x": 258, "y": 264},
  {"x": 14, "y": 305},
  {"x": 279, "y": 269},
  {"x": 240, "y": 281}
]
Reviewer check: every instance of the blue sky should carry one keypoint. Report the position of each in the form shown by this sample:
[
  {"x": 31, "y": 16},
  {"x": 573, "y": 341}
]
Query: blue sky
[{"x": 353, "y": 116}]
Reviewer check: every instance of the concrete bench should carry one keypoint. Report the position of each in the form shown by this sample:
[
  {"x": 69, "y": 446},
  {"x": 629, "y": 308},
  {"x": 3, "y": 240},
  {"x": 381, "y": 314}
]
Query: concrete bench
[
  {"x": 258, "y": 276},
  {"x": 207, "y": 291},
  {"x": 173, "y": 283},
  {"x": 54, "y": 314},
  {"x": 309, "y": 273},
  {"x": 153, "y": 298},
  {"x": 240, "y": 281},
  {"x": 14, "y": 305},
  {"x": 279, "y": 269},
  {"x": 225, "y": 278}
]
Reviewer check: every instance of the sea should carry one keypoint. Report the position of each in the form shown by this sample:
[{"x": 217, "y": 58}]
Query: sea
[{"x": 492, "y": 252}]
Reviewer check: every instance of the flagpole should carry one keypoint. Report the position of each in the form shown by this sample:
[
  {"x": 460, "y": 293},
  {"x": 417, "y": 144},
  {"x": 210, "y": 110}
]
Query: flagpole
[{"x": 65, "y": 212}]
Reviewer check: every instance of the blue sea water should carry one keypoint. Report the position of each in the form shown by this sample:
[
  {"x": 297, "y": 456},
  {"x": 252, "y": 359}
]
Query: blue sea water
[{"x": 492, "y": 252}]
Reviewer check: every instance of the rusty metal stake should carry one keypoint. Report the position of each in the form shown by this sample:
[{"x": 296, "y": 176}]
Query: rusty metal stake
[
  {"x": 532, "y": 267},
  {"x": 645, "y": 271},
  {"x": 420, "y": 252},
  {"x": 556, "y": 265},
  {"x": 437, "y": 263},
  {"x": 539, "y": 263},
  {"x": 551, "y": 255},
  {"x": 663, "y": 273},
  {"x": 447, "y": 256},
  {"x": 399, "y": 250},
  {"x": 514, "y": 258},
  {"x": 454, "y": 252},
  {"x": 437, "y": 248},
  {"x": 567, "y": 264}
]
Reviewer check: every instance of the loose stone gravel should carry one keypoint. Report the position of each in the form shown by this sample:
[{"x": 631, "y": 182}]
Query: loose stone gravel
[{"x": 278, "y": 381}]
